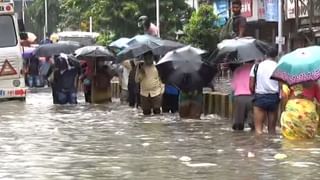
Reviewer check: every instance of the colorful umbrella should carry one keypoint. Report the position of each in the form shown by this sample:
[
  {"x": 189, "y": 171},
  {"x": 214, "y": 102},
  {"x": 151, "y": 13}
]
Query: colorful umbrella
[{"x": 299, "y": 66}]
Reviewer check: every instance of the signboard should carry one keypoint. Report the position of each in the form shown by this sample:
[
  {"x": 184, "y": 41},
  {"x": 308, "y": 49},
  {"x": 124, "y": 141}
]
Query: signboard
[
  {"x": 271, "y": 10},
  {"x": 221, "y": 8},
  {"x": 6, "y": 9},
  {"x": 8, "y": 93},
  {"x": 6, "y": 1},
  {"x": 302, "y": 10},
  {"x": 7, "y": 69},
  {"x": 261, "y": 9},
  {"x": 280, "y": 40},
  {"x": 246, "y": 8}
]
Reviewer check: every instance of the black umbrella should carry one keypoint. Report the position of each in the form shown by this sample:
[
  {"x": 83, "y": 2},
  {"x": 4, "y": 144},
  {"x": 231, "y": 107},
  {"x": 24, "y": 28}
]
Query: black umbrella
[
  {"x": 185, "y": 69},
  {"x": 166, "y": 46},
  {"x": 159, "y": 46},
  {"x": 134, "y": 51},
  {"x": 140, "y": 44},
  {"x": 47, "y": 50},
  {"x": 240, "y": 50},
  {"x": 94, "y": 52}
]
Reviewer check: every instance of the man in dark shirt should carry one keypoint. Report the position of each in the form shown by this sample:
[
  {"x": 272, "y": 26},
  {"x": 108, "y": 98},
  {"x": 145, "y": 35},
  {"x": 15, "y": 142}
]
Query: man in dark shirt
[
  {"x": 65, "y": 81},
  {"x": 239, "y": 22},
  {"x": 33, "y": 65}
]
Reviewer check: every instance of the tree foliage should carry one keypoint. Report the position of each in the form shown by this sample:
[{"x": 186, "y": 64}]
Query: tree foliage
[
  {"x": 201, "y": 30},
  {"x": 120, "y": 17},
  {"x": 36, "y": 12}
]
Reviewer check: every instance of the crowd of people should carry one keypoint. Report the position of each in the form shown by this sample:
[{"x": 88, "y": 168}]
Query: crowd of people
[
  {"x": 141, "y": 86},
  {"x": 256, "y": 96}
]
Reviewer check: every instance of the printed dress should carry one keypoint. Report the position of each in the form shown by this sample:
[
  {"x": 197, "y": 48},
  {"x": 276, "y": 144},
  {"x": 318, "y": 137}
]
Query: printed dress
[{"x": 300, "y": 118}]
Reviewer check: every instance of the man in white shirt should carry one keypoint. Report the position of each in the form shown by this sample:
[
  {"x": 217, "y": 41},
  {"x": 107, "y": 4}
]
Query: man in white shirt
[
  {"x": 124, "y": 79},
  {"x": 266, "y": 93}
]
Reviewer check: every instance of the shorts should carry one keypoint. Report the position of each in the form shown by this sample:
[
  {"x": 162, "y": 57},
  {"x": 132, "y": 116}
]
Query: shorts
[
  {"x": 148, "y": 103},
  {"x": 267, "y": 102}
]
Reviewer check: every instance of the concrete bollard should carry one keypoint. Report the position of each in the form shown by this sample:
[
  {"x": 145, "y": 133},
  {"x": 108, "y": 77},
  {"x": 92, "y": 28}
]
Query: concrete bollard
[
  {"x": 213, "y": 102},
  {"x": 205, "y": 109},
  {"x": 225, "y": 103},
  {"x": 217, "y": 103},
  {"x": 115, "y": 89}
]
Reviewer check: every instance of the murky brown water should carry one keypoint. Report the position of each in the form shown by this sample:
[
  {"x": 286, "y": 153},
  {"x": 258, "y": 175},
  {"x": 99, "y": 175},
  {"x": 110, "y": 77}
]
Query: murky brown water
[{"x": 39, "y": 140}]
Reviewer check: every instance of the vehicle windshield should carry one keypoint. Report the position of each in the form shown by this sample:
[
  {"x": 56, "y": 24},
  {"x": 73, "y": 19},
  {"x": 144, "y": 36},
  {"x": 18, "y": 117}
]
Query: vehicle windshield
[{"x": 8, "y": 37}]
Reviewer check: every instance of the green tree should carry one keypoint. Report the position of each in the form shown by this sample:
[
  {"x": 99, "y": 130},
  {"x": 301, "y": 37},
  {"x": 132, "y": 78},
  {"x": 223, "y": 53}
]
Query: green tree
[
  {"x": 120, "y": 17},
  {"x": 36, "y": 12},
  {"x": 201, "y": 30}
]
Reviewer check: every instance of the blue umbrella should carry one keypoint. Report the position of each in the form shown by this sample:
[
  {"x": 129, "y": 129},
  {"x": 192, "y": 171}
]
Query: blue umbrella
[
  {"x": 144, "y": 39},
  {"x": 120, "y": 43}
]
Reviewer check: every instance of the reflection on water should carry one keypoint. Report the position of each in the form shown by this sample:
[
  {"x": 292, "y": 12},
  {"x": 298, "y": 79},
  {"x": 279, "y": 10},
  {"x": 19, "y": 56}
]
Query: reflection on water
[{"x": 39, "y": 140}]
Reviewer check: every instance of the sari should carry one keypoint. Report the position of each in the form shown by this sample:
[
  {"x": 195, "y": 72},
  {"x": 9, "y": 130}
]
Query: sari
[{"x": 300, "y": 119}]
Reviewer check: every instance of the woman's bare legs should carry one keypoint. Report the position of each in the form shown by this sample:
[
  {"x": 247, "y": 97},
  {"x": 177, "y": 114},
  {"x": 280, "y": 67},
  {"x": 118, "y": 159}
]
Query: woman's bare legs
[
  {"x": 272, "y": 121},
  {"x": 259, "y": 115}
]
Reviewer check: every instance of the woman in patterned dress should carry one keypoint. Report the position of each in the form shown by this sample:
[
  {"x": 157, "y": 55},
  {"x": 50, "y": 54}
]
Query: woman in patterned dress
[{"x": 300, "y": 119}]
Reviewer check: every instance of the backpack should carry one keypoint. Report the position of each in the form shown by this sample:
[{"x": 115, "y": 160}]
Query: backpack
[
  {"x": 227, "y": 30},
  {"x": 255, "y": 71}
]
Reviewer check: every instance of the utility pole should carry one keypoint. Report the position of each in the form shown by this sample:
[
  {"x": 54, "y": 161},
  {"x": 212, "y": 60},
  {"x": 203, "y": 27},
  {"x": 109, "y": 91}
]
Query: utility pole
[
  {"x": 158, "y": 15},
  {"x": 90, "y": 24},
  {"x": 23, "y": 7},
  {"x": 46, "y": 18},
  {"x": 280, "y": 34}
]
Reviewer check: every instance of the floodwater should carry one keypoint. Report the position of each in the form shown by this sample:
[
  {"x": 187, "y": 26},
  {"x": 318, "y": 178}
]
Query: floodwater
[{"x": 39, "y": 140}]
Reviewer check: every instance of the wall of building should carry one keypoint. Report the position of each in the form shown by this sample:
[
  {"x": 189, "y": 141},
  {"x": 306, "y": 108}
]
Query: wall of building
[{"x": 262, "y": 17}]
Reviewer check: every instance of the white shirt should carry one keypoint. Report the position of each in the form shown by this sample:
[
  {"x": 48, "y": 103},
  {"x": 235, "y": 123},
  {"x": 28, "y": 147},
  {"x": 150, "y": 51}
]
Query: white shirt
[
  {"x": 265, "y": 85},
  {"x": 125, "y": 78}
]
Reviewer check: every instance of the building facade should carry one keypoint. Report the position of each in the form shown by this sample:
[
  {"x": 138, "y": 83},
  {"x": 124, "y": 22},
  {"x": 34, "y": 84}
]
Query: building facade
[{"x": 301, "y": 21}]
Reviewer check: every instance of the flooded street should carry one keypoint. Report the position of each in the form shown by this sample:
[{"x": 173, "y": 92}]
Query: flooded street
[{"x": 39, "y": 140}]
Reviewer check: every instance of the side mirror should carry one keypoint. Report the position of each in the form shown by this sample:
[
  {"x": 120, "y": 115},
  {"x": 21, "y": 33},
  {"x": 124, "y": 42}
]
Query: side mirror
[{"x": 23, "y": 36}]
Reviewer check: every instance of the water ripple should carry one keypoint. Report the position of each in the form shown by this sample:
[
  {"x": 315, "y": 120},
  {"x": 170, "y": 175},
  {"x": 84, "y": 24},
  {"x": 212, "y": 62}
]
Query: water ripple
[{"x": 39, "y": 140}]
